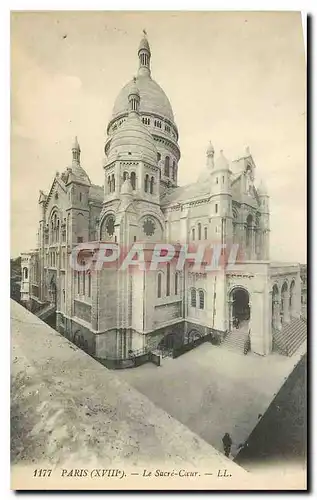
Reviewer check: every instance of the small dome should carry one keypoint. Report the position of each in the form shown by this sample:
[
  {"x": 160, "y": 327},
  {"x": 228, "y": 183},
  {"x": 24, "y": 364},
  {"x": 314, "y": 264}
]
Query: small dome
[
  {"x": 144, "y": 45},
  {"x": 133, "y": 139},
  {"x": 210, "y": 150},
  {"x": 221, "y": 162},
  {"x": 126, "y": 187}
]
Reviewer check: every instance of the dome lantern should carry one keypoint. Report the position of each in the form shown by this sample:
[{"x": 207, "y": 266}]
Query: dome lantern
[
  {"x": 144, "y": 54},
  {"x": 134, "y": 98}
]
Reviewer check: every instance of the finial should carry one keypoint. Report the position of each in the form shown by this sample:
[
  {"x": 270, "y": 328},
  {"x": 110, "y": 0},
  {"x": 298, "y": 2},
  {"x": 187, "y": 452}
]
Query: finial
[
  {"x": 144, "y": 53},
  {"x": 210, "y": 150},
  {"x": 76, "y": 150},
  {"x": 76, "y": 144}
]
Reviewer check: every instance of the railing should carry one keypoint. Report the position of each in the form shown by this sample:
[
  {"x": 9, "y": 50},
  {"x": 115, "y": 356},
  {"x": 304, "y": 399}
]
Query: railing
[
  {"x": 134, "y": 359},
  {"x": 181, "y": 349}
]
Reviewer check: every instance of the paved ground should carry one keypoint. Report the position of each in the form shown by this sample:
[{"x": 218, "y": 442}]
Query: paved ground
[
  {"x": 282, "y": 433},
  {"x": 214, "y": 391}
]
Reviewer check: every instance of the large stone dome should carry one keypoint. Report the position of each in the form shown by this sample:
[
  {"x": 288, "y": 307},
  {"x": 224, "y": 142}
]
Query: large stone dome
[
  {"x": 133, "y": 139},
  {"x": 153, "y": 98}
]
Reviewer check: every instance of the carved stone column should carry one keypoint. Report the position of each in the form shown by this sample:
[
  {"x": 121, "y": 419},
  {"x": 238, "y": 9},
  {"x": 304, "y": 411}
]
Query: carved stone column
[
  {"x": 277, "y": 325},
  {"x": 286, "y": 312},
  {"x": 252, "y": 243}
]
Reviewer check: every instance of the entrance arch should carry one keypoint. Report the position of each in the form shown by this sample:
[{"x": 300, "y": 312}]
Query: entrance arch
[
  {"x": 239, "y": 301},
  {"x": 292, "y": 300},
  {"x": 275, "y": 308},
  {"x": 284, "y": 303}
]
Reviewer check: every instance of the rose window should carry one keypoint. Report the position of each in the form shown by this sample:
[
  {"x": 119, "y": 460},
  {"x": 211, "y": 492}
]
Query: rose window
[
  {"x": 110, "y": 226},
  {"x": 149, "y": 227}
]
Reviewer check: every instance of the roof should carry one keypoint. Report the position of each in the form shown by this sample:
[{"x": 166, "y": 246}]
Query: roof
[
  {"x": 96, "y": 193},
  {"x": 68, "y": 408},
  {"x": 186, "y": 193},
  {"x": 152, "y": 96}
]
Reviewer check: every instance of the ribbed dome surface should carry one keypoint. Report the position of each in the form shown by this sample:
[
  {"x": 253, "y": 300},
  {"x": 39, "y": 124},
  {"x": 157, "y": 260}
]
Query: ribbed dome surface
[
  {"x": 133, "y": 138},
  {"x": 153, "y": 98},
  {"x": 144, "y": 44}
]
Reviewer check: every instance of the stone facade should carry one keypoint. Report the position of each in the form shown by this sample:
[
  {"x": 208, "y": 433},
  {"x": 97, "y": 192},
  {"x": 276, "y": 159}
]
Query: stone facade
[{"x": 110, "y": 313}]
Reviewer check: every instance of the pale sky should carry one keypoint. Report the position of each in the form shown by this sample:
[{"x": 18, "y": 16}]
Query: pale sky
[{"x": 236, "y": 79}]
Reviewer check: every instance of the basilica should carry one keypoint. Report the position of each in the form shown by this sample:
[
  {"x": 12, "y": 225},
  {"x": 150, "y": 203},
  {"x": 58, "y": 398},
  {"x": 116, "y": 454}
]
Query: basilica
[{"x": 112, "y": 314}]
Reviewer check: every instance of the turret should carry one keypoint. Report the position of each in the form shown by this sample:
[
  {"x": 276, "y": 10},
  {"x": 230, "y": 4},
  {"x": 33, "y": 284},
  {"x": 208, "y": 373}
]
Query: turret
[
  {"x": 78, "y": 186},
  {"x": 221, "y": 200},
  {"x": 264, "y": 208}
]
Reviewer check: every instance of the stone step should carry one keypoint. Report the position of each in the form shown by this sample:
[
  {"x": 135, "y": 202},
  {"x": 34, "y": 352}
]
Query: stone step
[
  {"x": 235, "y": 341},
  {"x": 290, "y": 338}
]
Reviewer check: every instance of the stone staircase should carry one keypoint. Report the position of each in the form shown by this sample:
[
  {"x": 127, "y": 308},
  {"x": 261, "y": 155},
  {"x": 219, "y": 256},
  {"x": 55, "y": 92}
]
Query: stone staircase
[
  {"x": 235, "y": 340},
  {"x": 292, "y": 335},
  {"x": 46, "y": 311}
]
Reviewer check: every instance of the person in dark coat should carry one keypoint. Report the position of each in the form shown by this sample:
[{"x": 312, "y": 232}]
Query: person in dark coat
[{"x": 227, "y": 443}]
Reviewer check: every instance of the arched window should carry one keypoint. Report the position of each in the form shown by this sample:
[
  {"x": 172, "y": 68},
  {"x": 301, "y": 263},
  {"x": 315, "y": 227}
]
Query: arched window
[
  {"x": 216, "y": 208},
  {"x": 152, "y": 185},
  {"x": 113, "y": 183},
  {"x": 199, "y": 231},
  {"x": 159, "y": 285},
  {"x": 146, "y": 183},
  {"x": 125, "y": 176},
  {"x": 133, "y": 180},
  {"x": 168, "y": 279},
  {"x": 26, "y": 273},
  {"x": 176, "y": 283},
  {"x": 216, "y": 180},
  {"x": 57, "y": 230},
  {"x": 159, "y": 156},
  {"x": 63, "y": 295},
  {"x": 201, "y": 299},
  {"x": 193, "y": 297},
  {"x": 193, "y": 234},
  {"x": 167, "y": 166},
  {"x": 206, "y": 233}
]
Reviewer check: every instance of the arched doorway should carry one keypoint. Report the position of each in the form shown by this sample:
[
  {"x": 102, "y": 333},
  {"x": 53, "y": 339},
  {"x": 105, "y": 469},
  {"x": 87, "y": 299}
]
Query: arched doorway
[
  {"x": 240, "y": 309},
  {"x": 52, "y": 290},
  {"x": 284, "y": 303},
  {"x": 292, "y": 299},
  {"x": 275, "y": 308},
  {"x": 193, "y": 335}
]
